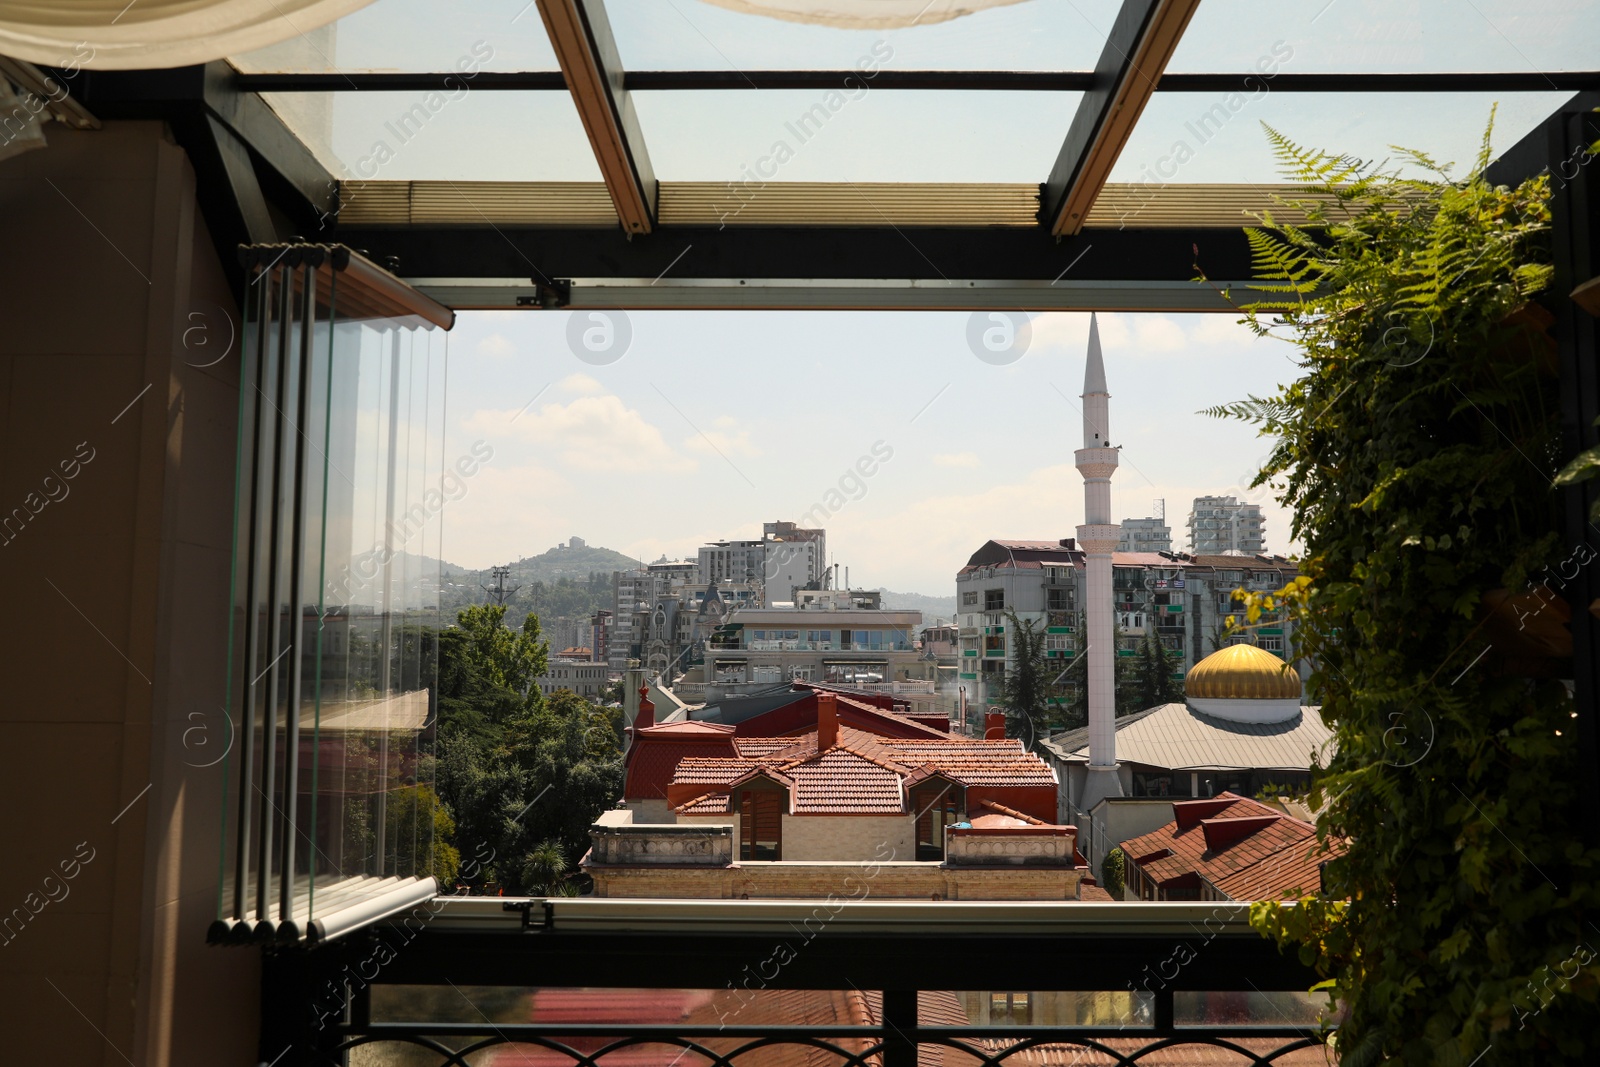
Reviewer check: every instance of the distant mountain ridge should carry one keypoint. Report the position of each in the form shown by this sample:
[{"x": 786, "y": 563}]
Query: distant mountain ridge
[{"x": 932, "y": 607}]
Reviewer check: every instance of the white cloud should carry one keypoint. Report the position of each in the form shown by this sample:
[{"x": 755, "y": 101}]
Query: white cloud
[
  {"x": 496, "y": 346},
  {"x": 725, "y": 439},
  {"x": 592, "y": 433},
  {"x": 580, "y": 385},
  {"x": 956, "y": 459}
]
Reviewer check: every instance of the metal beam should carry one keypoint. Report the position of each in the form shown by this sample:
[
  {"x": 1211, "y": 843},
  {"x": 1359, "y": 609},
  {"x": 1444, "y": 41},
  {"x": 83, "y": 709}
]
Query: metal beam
[
  {"x": 923, "y": 80},
  {"x": 581, "y": 35},
  {"x": 947, "y": 256},
  {"x": 1142, "y": 40},
  {"x": 183, "y": 93}
]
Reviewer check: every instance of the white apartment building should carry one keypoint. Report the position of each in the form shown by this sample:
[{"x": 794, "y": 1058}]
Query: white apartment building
[
  {"x": 1145, "y": 535},
  {"x": 1219, "y": 524},
  {"x": 587, "y": 679},
  {"x": 786, "y": 558},
  {"x": 738, "y": 562}
]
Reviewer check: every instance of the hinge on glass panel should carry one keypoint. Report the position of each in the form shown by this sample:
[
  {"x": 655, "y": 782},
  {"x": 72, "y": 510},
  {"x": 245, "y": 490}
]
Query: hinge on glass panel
[
  {"x": 526, "y": 908},
  {"x": 556, "y": 294}
]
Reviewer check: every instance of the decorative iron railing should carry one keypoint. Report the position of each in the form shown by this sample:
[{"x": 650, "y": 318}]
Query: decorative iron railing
[{"x": 857, "y": 981}]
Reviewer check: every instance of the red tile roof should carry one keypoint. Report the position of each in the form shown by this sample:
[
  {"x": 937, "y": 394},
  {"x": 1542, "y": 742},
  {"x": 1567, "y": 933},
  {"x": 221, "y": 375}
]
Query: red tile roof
[
  {"x": 1245, "y": 849},
  {"x": 864, "y": 774}
]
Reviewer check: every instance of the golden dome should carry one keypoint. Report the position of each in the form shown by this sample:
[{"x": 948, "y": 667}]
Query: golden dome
[{"x": 1243, "y": 672}]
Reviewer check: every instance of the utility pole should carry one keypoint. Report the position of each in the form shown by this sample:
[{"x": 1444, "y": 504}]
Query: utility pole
[{"x": 498, "y": 592}]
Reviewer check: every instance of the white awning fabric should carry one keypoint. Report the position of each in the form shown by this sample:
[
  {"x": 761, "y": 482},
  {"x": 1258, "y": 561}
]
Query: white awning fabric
[
  {"x": 862, "y": 14},
  {"x": 119, "y": 35}
]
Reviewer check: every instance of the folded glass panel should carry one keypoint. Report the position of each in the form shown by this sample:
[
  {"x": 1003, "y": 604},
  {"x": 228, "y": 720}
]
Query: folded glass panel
[
  {"x": 1366, "y": 36},
  {"x": 333, "y": 651},
  {"x": 415, "y": 35}
]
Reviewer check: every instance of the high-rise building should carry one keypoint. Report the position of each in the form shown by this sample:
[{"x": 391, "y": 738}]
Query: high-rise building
[
  {"x": 1219, "y": 524},
  {"x": 1145, "y": 535}
]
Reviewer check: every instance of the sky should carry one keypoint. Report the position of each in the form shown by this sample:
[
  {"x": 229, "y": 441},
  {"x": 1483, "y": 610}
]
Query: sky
[{"x": 709, "y": 423}]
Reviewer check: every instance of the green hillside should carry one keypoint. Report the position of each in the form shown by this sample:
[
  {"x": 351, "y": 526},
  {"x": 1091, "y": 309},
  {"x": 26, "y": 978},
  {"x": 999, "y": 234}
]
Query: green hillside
[{"x": 562, "y": 583}]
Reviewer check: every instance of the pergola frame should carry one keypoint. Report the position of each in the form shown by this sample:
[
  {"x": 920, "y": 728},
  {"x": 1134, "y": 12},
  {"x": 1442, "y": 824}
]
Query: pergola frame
[{"x": 1068, "y": 258}]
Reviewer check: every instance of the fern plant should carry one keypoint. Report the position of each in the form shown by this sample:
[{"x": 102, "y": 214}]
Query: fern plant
[{"x": 1416, "y": 452}]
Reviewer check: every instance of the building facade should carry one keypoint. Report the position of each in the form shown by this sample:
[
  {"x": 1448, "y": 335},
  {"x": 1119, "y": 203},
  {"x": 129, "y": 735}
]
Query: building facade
[
  {"x": 1219, "y": 524},
  {"x": 1145, "y": 535},
  {"x": 1186, "y": 600},
  {"x": 587, "y": 678}
]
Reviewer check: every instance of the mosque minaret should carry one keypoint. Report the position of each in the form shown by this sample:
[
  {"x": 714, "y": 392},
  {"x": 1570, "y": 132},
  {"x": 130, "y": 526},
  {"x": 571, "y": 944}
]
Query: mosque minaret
[{"x": 1097, "y": 537}]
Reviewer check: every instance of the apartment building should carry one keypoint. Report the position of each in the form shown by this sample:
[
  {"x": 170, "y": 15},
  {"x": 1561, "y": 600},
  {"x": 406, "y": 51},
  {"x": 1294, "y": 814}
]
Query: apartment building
[
  {"x": 1220, "y": 524},
  {"x": 1145, "y": 535},
  {"x": 1185, "y": 599}
]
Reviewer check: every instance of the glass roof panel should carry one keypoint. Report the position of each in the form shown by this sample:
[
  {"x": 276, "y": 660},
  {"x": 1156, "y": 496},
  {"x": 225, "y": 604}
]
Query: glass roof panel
[
  {"x": 416, "y": 35},
  {"x": 1391, "y": 36},
  {"x": 996, "y": 35},
  {"x": 1197, "y": 137},
  {"x": 409, "y": 136},
  {"x": 812, "y": 136}
]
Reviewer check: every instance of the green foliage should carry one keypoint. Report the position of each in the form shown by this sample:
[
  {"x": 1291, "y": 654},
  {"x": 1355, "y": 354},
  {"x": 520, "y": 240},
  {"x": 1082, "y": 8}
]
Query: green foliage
[
  {"x": 1027, "y": 686},
  {"x": 545, "y": 869},
  {"x": 504, "y": 657},
  {"x": 1126, "y": 670},
  {"x": 518, "y": 770},
  {"x": 1156, "y": 667},
  {"x": 1113, "y": 873},
  {"x": 420, "y": 831},
  {"x": 1416, "y": 453}
]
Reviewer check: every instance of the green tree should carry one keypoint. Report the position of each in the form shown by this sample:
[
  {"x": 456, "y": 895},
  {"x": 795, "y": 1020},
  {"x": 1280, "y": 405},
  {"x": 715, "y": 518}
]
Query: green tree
[
  {"x": 421, "y": 833},
  {"x": 1027, "y": 688},
  {"x": 505, "y": 657},
  {"x": 1112, "y": 872},
  {"x": 545, "y": 869},
  {"x": 1415, "y": 451},
  {"x": 1153, "y": 670}
]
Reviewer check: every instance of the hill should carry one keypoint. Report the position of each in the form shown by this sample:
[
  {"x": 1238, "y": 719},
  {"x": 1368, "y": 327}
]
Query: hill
[
  {"x": 932, "y": 607},
  {"x": 562, "y": 586}
]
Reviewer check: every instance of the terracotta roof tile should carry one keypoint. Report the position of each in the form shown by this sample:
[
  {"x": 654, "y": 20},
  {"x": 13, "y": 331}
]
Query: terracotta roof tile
[{"x": 1273, "y": 859}]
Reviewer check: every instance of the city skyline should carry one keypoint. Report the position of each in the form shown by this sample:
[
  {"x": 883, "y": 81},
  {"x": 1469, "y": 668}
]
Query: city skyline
[{"x": 652, "y": 462}]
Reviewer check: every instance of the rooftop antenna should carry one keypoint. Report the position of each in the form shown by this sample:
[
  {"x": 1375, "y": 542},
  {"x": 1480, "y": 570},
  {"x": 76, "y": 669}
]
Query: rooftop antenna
[
  {"x": 1161, "y": 508},
  {"x": 498, "y": 592}
]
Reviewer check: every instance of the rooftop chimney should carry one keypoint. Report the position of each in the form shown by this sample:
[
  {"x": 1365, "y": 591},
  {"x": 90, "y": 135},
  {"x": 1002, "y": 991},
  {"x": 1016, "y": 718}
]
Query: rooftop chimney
[
  {"x": 647, "y": 710},
  {"x": 994, "y": 726},
  {"x": 827, "y": 721}
]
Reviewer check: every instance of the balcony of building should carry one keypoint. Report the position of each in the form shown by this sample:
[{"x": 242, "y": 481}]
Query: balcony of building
[{"x": 225, "y": 673}]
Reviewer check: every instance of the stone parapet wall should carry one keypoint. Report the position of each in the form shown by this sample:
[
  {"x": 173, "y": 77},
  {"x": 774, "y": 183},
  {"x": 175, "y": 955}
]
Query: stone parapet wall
[{"x": 838, "y": 881}]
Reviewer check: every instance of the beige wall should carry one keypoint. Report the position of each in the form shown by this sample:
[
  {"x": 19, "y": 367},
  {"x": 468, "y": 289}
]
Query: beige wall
[
  {"x": 118, "y": 593},
  {"x": 845, "y": 881},
  {"x": 848, "y": 837}
]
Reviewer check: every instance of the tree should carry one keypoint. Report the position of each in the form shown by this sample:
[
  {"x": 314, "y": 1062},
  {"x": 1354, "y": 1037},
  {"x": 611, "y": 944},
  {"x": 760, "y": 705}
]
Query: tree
[
  {"x": 1156, "y": 684},
  {"x": 421, "y": 832},
  {"x": 1026, "y": 689},
  {"x": 1415, "y": 451},
  {"x": 516, "y": 769},
  {"x": 509, "y": 658},
  {"x": 1112, "y": 872}
]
